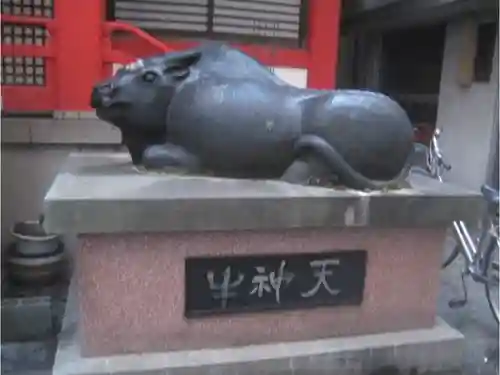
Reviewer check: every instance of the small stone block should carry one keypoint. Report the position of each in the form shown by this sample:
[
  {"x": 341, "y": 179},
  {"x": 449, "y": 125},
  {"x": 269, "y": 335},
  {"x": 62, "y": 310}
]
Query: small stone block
[
  {"x": 18, "y": 357},
  {"x": 26, "y": 319}
]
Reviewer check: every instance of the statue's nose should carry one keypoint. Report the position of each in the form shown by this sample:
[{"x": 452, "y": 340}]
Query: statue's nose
[
  {"x": 99, "y": 93},
  {"x": 106, "y": 88}
]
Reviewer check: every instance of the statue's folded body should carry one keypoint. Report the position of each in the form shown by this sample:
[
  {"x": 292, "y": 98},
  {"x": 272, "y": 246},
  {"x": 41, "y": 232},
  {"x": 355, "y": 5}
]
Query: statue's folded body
[{"x": 215, "y": 108}]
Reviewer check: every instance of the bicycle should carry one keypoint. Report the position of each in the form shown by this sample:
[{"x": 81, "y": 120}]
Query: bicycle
[{"x": 481, "y": 251}]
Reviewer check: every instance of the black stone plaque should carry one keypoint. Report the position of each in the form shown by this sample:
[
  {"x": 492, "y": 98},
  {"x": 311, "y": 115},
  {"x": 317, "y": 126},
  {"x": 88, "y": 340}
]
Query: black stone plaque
[{"x": 240, "y": 284}]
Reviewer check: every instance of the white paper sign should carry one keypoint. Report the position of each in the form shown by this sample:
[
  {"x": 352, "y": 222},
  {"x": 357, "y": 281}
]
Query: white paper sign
[{"x": 294, "y": 76}]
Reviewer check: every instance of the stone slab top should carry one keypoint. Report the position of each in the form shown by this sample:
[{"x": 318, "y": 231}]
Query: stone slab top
[{"x": 105, "y": 193}]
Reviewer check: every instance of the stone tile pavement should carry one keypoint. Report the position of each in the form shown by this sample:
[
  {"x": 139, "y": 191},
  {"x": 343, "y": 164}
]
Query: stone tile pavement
[{"x": 474, "y": 320}]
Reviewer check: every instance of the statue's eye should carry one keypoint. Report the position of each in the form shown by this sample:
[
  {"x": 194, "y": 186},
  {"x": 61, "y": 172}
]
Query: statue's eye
[{"x": 149, "y": 77}]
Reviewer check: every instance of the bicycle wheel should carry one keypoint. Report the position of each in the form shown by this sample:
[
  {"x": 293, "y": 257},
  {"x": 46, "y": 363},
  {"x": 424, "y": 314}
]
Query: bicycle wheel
[{"x": 491, "y": 274}]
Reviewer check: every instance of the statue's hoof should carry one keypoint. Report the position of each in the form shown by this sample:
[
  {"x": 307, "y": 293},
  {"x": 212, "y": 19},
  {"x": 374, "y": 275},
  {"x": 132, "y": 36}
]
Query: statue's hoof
[
  {"x": 138, "y": 168},
  {"x": 156, "y": 157},
  {"x": 386, "y": 370},
  {"x": 162, "y": 156},
  {"x": 297, "y": 173},
  {"x": 308, "y": 170}
]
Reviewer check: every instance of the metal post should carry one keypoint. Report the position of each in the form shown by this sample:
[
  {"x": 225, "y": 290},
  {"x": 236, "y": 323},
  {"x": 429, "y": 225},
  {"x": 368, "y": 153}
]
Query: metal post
[
  {"x": 493, "y": 163},
  {"x": 323, "y": 43},
  {"x": 79, "y": 60}
]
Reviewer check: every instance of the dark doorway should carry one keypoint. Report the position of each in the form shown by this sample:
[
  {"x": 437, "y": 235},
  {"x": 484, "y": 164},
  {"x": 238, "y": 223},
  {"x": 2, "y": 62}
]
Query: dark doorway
[{"x": 410, "y": 73}]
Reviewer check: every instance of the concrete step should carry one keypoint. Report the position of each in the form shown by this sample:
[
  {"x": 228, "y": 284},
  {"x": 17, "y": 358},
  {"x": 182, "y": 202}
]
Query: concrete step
[{"x": 32, "y": 357}]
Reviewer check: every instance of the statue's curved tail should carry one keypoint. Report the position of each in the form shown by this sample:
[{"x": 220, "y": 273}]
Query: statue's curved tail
[{"x": 347, "y": 174}]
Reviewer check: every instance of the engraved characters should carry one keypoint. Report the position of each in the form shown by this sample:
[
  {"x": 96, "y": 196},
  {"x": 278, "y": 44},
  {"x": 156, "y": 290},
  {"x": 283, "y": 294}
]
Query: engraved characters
[
  {"x": 266, "y": 280},
  {"x": 321, "y": 272},
  {"x": 225, "y": 289}
]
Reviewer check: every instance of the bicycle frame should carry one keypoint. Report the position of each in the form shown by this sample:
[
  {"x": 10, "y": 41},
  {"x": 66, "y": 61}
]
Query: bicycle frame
[
  {"x": 435, "y": 161},
  {"x": 473, "y": 253},
  {"x": 477, "y": 254}
]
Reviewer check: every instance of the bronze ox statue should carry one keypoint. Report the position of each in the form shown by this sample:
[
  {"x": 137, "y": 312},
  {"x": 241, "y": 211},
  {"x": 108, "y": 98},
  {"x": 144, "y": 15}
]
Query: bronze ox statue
[{"x": 215, "y": 108}]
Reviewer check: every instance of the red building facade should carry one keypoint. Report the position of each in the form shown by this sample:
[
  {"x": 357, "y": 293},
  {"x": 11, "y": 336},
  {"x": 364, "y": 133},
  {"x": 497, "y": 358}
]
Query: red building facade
[{"x": 53, "y": 51}]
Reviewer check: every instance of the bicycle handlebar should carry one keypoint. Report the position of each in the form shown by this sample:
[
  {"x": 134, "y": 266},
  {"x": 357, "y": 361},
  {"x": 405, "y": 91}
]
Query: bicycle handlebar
[
  {"x": 435, "y": 152},
  {"x": 444, "y": 164}
]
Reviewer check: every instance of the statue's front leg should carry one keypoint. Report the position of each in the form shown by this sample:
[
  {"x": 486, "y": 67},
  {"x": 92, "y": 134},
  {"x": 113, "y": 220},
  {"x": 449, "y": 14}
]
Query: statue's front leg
[
  {"x": 135, "y": 150},
  {"x": 137, "y": 142},
  {"x": 135, "y": 146},
  {"x": 169, "y": 155}
]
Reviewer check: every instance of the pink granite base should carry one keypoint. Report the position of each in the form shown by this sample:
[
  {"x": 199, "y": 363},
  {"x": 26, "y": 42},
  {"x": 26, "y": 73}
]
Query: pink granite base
[{"x": 131, "y": 288}]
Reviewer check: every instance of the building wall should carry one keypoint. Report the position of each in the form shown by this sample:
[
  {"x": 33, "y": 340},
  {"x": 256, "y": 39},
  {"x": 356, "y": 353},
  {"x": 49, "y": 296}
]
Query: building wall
[
  {"x": 32, "y": 153},
  {"x": 466, "y": 114},
  {"x": 27, "y": 172},
  {"x": 493, "y": 168}
]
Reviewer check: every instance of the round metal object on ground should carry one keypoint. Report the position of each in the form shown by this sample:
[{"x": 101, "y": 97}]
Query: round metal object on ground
[
  {"x": 31, "y": 238},
  {"x": 42, "y": 268}
]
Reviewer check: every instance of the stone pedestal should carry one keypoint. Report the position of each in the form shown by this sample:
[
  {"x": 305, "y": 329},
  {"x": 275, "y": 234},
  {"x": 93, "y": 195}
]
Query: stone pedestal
[{"x": 139, "y": 231}]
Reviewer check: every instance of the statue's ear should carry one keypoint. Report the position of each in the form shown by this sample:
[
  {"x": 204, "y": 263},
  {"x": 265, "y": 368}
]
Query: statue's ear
[
  {"x": 177, "y": 71},
  {"x": 178, "y": 65}
]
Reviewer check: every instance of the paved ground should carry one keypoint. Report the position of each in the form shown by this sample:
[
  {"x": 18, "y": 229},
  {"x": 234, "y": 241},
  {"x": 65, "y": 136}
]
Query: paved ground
[{"x": 474, "y": 320}]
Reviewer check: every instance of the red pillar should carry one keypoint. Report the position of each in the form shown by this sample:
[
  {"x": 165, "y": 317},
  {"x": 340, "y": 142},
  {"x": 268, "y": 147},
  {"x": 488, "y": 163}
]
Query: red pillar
[
  {"x": 79, "y": 59},
  {"x": 323, "y": 43}
]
